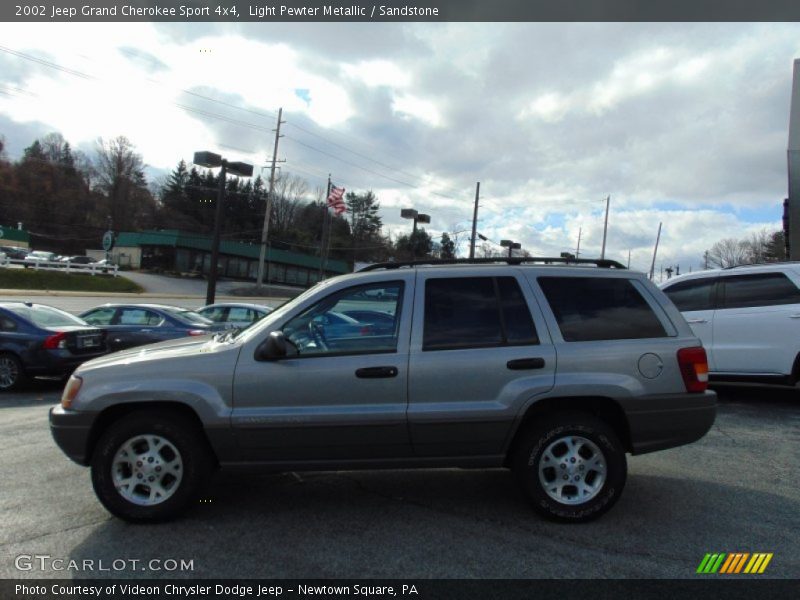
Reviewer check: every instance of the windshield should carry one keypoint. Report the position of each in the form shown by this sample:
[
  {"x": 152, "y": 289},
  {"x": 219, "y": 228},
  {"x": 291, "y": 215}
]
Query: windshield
[
  {"x": 187, "y": 315},
  {"x": 46, "y": 316}
]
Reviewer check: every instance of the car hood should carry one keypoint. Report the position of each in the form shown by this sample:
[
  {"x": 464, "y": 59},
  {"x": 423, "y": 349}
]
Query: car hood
[{"x": 172, "y": 349}]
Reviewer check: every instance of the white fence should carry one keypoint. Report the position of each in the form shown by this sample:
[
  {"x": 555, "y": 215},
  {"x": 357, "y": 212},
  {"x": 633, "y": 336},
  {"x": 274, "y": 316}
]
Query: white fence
[{"x": 66, "y": 267}]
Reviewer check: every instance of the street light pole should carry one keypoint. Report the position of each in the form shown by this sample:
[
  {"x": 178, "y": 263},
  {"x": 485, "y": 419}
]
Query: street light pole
[
  {"x": 211, "y": 290},
  {"x": 210, "y": 160}
]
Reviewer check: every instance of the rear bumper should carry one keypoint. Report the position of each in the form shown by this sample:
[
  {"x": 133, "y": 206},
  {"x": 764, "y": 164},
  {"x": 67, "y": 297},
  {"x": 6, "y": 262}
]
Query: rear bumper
[
  {"x": 71, "y": 431},
  {"x": 668, "y": 420},
  {"x": 56, "y": 362}
]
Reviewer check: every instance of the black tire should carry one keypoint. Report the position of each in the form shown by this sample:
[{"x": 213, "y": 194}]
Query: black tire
[
  {"x": 551, "y": 434},
  {"x": 179, "y": 434},
  {"x": 12, "y": 373}
]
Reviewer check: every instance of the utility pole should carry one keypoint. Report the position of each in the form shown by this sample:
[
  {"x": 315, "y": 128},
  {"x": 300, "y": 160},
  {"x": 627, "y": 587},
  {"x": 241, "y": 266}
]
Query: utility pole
[
  {"x": 474, "y": 220},
  {"x": 265, "y": 230},
  {"x": 578, "y": 249},
  {"x": 629, "y": 258},
  {"x": 605, "y": 228},
  {"x": 655, "y": 252},
  {"x": 705, "y": 260}
]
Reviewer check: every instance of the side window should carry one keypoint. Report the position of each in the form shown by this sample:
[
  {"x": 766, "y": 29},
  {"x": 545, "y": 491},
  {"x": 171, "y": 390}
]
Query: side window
[
  {"x": 7, "y": 324},
  {"x": 358, "y": 320},
  {"x": 475, "y": 312},
  {"x": 696, "y": 294},
  {"x": 758, "y": 290},
  {"x": 216, "y": 314},
  {"x": 138, "y": 316},
  {"x": 599, "y": 308},
  {"x": 238, "y": 313},
  {"x": 101, "y": 316}
]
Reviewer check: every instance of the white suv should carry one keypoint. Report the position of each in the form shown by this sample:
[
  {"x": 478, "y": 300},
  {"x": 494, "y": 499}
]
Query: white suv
[{"x": 748, "y": 318}]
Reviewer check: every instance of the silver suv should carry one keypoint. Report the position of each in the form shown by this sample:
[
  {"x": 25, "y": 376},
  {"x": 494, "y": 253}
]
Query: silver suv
[{"x": 553, "y": 371}]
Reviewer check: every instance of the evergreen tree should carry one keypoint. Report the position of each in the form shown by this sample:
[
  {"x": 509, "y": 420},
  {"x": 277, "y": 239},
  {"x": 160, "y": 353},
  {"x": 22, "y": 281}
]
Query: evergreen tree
[{"x": 447, "y": 247}]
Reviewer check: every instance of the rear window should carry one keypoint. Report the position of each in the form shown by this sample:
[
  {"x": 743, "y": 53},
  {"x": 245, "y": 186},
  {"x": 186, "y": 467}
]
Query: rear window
[
  {"x": 598, "y": 308},
  {"x": 46, "y": 316}
]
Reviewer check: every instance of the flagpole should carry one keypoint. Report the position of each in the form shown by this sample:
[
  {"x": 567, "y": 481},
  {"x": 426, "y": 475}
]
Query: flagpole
[{"x": 325, "y": 232}]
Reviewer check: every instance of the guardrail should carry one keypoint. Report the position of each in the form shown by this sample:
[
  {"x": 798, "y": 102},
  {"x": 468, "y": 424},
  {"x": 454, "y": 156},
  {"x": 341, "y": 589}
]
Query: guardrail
[{"x": 68, "y": 267}]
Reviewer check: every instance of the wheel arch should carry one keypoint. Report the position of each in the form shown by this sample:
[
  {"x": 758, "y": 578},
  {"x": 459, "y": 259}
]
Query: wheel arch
[
  {"x": 604, "y": 408},
  {"x": 114, "y": 413}
]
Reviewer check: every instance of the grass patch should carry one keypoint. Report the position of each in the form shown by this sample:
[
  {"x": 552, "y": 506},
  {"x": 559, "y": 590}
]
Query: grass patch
[{"x": 28, "y": 279}]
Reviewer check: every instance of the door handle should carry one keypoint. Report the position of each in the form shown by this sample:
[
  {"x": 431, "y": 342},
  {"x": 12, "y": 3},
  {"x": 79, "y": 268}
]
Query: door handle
[
  {"x": 376, "y": 372},
  {"x": 525, "y": 363},
  {"x": 696, "y": 321},
  {"x": 795, "y": 316}
]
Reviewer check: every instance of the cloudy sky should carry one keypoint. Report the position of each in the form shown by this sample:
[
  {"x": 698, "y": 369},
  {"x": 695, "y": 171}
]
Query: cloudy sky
[{"x": 680, "y": 123}]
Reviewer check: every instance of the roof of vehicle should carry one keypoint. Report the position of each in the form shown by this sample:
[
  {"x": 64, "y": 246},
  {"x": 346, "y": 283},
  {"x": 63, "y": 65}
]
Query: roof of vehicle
[
  {"x": 602, "y": 263},
  {"x": 237, "y": 305},
  {"x": 138, "y": 305},
  {"x": 737, "y": 270}
]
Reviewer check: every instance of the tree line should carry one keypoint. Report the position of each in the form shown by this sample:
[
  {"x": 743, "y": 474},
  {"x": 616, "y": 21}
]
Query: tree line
[
  {"x": 67, "y": 198},
  {"x": 760, "y": 247}
]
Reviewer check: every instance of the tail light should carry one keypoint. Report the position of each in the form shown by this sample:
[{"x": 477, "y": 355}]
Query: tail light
[
  {"x": 693, "y": 364},
  {"x": 58, "y": 340},
  {"x": 196, "y": 332}
]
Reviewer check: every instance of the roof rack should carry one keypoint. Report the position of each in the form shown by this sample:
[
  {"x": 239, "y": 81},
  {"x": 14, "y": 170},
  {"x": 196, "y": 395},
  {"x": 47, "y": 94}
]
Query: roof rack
[{"x": 514, "y": 260}]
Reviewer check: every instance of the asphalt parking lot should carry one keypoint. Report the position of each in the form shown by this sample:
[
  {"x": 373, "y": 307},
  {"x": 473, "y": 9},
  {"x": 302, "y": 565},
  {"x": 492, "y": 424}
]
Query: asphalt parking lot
[{"x": 734, "y": 491}]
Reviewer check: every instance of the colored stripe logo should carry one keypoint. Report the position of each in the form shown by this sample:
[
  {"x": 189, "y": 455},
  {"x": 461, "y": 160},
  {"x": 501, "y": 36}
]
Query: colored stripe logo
[{"x": 732, "y": 563}]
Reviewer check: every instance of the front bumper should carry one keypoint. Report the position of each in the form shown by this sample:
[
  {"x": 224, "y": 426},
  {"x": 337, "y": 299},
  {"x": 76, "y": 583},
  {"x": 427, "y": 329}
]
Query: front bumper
[
  {"x": 668, "y": 420},
  {"x": 71, "y": 431}
]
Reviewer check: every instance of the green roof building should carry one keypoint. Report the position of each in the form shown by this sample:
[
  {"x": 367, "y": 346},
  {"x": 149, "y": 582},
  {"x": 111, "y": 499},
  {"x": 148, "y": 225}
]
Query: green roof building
[
  {"x": 183, "y": 252},
  {"x": 11, "y": 236}
]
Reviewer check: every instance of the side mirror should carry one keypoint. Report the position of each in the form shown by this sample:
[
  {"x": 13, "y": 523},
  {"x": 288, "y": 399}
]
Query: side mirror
[{"x": 273, "y": 348}]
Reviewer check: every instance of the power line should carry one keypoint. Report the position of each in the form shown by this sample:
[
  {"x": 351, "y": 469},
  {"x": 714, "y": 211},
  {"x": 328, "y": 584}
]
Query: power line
[{"x": 247, "y": 124}]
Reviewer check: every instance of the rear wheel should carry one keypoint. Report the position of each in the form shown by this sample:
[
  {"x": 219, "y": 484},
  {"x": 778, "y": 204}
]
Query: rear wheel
[
  {"x": 572, "y": 467},
  {"x": 150, "y": 466},
  {"x": 12, "y": 374}
]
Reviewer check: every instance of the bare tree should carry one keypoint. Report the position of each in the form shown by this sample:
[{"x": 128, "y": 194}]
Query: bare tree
[
  {"x": 729, "y": 252},
  {"x": 120, "y": 174},
  {"x": 288, "y": 194}
]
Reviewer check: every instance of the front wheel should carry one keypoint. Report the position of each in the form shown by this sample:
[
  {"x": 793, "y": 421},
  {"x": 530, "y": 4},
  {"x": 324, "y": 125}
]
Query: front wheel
[
  {"x": 150, "y": 466},
  {"x": 572, "y": 467}
]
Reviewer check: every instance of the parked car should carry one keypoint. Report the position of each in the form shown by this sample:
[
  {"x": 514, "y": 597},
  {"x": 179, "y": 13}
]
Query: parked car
[
  {"x": 748, "y": 319},
  {"x": 376, "y": 320},
  {"x": 235, "y": 314},
  {"x": 130, "y": 325},
  {"x": 553, "y": 371},
  {"x": 14, "y": 252},
  {"x": 36, "y": 339},
  {"x": 78, "y": 260},
  {"x": 39, "y": 256}
]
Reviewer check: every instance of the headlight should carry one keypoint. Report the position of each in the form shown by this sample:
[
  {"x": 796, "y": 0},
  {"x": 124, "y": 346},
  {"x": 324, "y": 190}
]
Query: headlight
[{"x": 71, "y": 391}]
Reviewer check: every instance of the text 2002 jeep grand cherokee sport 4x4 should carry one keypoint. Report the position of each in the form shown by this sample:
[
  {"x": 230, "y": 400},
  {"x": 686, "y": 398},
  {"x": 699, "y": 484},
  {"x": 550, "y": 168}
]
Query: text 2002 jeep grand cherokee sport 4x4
[{"x": 554, "y": 371}]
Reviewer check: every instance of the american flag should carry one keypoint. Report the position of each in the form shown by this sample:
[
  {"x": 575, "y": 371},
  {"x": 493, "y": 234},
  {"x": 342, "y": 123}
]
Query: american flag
[{"x": 336, "y": 200}]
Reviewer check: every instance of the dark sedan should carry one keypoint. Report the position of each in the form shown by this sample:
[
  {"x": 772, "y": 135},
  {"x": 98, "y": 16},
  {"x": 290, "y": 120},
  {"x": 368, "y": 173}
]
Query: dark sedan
[
  {"x": 130, "y": 325},
  {"x": 41, "y": 340}
]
